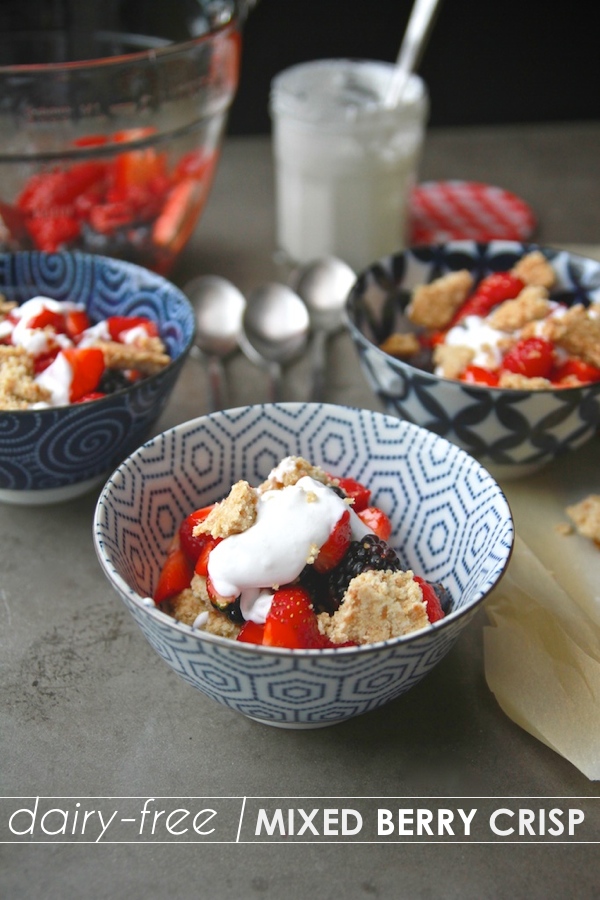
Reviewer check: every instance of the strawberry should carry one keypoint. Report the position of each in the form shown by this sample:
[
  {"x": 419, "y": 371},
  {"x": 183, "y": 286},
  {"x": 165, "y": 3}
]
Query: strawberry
[
  {"x": 291, "y": 621},
  {"x": 118, "y": 324},
  {"x": 251, "y": 633},
  {"x": 532, "y": 357},
  {"x": 192, "y": 544},
  {"x": 87, "y": 365},
  {"x": 479, "y": 375},
  {"x": 431, "y": 600},
  {"x": 357, "y": 492},
  {"x": 201, "y": 567},
  {"x": 48, "y": 318},
  {"x": 575, "y": 371},
  {"x": 175, "y": 575},
  {"x": 180, "y": 213},
  {"x": 76, "y": 321},
  {"x": 334, "y": 548},
  {"x": 490, "y": 291},
  {"x": 376, "y": 521}
]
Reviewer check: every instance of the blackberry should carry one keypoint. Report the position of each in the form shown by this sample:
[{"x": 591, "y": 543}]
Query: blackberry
[
  {"x": 113, "y": 380},
  {"x": 233, "y": 612},
  {"x": 370, "y": 553},
  {"x": 443, "y": 596},
  {"x": 317, "y": 585}
]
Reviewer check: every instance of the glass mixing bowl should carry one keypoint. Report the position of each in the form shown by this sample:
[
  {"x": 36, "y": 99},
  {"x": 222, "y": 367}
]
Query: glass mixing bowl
[{"x": 111, "y": 122}]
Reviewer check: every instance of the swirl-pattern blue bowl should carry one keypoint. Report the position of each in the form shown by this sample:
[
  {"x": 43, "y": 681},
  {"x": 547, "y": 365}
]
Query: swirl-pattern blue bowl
[
  {"x": 512, "y": 432},
  {"x": 450, "y": 521},
  {"x": 53, "y": 454}
]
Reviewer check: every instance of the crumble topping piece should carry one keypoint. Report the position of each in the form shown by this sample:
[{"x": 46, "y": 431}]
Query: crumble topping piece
[
  {"x": 400, "y": 345},
  {"x": 290, "y": 470},
  {"x": 586, "y": 517},
  {"x": 534, "y": 268},
  {"x": 148, "y": 356},
  {"x": 378, "y": 605},
  {"x": 453, "y": 360},
  {"x": 18, "y": 389},
  {"x": 530, "y": 305},
  {"x": 514, "y": 381},
  {"x": 194, "y": 602},
  {"x": 577, "y": 332},
  {"x": 234, "y": 514},
  {"x": 434, "y": 305},
  {"x": 6, "y": 306}
]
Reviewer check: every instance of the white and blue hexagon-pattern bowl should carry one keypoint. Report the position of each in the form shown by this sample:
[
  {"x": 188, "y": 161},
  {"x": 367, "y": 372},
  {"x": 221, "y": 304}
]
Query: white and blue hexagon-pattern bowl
[
  {"x": 512, "y": 432},
  {"x": 54, "y": 454},
  {"x": 451, "y": 523}
]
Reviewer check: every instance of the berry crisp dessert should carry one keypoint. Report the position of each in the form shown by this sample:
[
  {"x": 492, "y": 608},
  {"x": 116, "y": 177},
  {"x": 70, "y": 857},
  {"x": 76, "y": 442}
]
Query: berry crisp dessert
[
  {"x": 504, "y": 331},
  {"x": 301, "y": 561},
  {"x": 51, "y": 354}
]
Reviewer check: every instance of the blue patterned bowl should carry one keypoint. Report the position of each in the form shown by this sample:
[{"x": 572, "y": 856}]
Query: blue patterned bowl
[
  {"x": 450, "y": 520},
  {"x": 54, "y": 454},
  {"x": 512, "y": 432}
]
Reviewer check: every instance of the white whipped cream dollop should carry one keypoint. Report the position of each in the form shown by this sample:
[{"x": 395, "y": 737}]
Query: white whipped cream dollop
[{"x": 291, "y": 524}]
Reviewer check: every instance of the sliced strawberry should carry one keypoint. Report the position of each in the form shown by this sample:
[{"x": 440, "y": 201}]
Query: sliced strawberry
[
  {"x": 118, "y": 324},
  {"x": 334, "y": 548},
  {"x": 532, "y": 357},
  {"x": 52, "y": 232},
  {"x": 251, "y": 633},
  {"x": 431, "y": 600},
  {"x": 175, "y": 575},
  {"x": 87, "y": 366},
  {"x": 575, "y": 371},
  {"x": 93, "y": 395},
  {"x": 479, "y": 375},
  {"x": 291, "y": 621},
  {"x": 357, "y": 492},
  {"x": 180, "y": 214},
  {"x": 376, "y": 521},
  {"x": 201, "y": 567},
  {"x": 48, "y": 318},
  {"x": 492, "y": 290},
  {"x": 43, "y": 360},
  {"x": 192, "y": 544},
  {"x": 76, "y": 321}
]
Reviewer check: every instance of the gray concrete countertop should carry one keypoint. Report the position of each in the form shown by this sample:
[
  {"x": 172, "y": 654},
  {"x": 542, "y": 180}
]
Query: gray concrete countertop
[{"x": 90, "y": 711}]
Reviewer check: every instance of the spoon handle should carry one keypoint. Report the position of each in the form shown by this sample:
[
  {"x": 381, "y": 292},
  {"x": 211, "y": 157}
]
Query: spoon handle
[
  {"x": 216, "y": 378},
  {"x": 318, "y": 354},
  {"x": 276, "y": 382}
]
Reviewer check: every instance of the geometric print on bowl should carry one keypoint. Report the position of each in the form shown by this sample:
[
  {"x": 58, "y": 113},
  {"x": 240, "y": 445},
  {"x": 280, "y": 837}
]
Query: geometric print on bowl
[
  {"x": 449, "y": 518},
  {"x": 501, "y": 427}
]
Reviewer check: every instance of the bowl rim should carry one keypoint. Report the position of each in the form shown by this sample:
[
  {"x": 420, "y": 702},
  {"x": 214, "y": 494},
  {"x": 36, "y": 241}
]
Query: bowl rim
[
  {"x": 149, "y": 379},
  {"x": 153, "y": 53},
  {"x": 527, "y": 246},
  {"x": 143, "y": 603}
]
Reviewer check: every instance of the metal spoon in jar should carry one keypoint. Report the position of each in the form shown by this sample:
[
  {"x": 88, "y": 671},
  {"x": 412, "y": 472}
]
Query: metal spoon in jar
[
  {"x": 219, "y": 307},
  {"x": 323, "y": 285},
  {"x": 275, "y": 327}
]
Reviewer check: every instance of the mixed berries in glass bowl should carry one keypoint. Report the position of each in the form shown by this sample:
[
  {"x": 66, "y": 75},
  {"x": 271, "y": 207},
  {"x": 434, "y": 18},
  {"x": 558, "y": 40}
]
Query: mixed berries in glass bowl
[
  {"x": 111, "y": 137},
  {"x": 133, "y": 199}
]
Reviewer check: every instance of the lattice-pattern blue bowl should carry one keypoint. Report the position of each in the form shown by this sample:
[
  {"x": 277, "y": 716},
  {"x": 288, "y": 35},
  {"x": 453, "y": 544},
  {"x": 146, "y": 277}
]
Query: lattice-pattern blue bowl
[
  {"x": 512, "y": 432},
  {"x": 451, "y": 523},
  {"x": 53, "y": 454}
]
